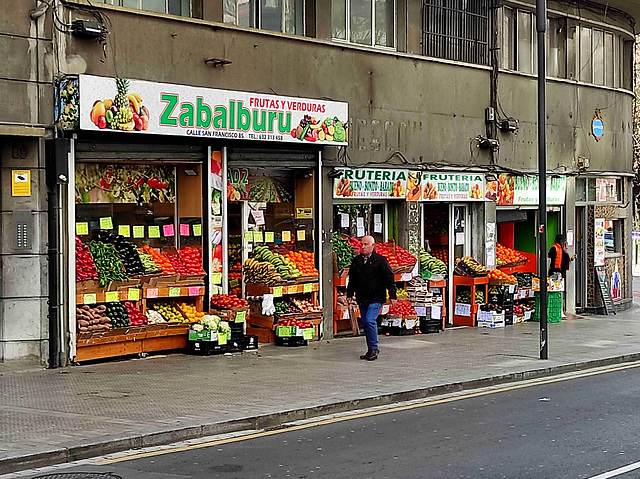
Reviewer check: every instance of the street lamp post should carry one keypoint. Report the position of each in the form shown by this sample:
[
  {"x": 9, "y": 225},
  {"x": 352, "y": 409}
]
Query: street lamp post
[{"x": 541, "y": 26}]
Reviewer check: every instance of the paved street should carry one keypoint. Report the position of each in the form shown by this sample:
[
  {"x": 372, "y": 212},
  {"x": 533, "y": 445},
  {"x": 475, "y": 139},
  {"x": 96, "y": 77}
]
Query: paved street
[
  {"x": 572, "y": 428},
  {"x": 133, "y": 403}
]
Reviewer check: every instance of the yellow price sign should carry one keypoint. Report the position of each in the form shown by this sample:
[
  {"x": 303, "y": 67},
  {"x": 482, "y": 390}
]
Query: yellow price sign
[
  {"x": 257, "y": 236},
  {"x": 111, "y": 296},
  {"x": 173, "y": 292},
  {"x": 90, "y": 298},
  {"x": 269, "y": 237},
  {"x": 133, "y": 294},
  {"x": 138, "y": 231},
  {"x": 241, "y": 317},
  {"x": 82, "y": 229},
  {"x": 308, "y": 287},
  {"x": 217, "y": 278},
  {"x": 106, "y": 223},
  {"x": 286, "y": 236},
  {"x": 277, "y": 291},
  {"x": 301, "y": 235},
  {"x": 124, "y": 230}
]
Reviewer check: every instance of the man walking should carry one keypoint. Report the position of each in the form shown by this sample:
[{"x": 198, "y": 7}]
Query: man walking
[{"x": 370, "y": 277}]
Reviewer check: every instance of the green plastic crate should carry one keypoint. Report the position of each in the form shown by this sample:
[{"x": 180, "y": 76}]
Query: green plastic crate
[{"x": 554, "y": 307}]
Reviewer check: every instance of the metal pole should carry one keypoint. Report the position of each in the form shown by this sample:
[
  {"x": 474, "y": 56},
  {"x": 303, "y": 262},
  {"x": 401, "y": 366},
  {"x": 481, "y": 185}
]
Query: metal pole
[{"x": 541, "y": 26}]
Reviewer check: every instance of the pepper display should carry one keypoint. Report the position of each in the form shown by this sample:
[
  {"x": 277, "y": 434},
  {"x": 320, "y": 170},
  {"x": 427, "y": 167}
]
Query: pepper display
[
  {"x": 107, "y": 262},
  {"x": 192, "y": 259},
  {"x": 343, "y": 251},
  {"x": 118, "y": 315},
  {"x": 135, "y": 316},
  {"x": 85, "y": 267},
  {"x": 159, "y": 259},
  {"x": 176, "y": 263},
  {"x": 126, "y": 250}
]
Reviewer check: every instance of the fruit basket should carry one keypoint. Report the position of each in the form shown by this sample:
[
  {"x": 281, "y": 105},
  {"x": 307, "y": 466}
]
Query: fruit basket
[{"x": 468, "y": 266}]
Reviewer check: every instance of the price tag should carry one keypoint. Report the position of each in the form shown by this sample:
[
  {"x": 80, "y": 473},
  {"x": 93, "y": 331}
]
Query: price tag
[
  {"x": 277, "y": 291},
  {"x": 406, "y": 277},
  {"x": 463, "y": 309},
  {"x": 222, "y": 339},
  {"x": 154, "y": 232},
  {"x": 257, "y": 237},
  {"x": 82, "y": 229},
  {"x": 217, "y": 278},
  {"x": 436, "y": 312},
  {"x": 248, "y": 236},
  {"x": 397, "y": 322},
  {"x": 124, "y": 230},
  {"x": 420, "y": 310},
  {"x": 168, "y": 230},
  {"x": 269, "y": 237},
  {"x": 106, "y": 223},
  {"x": 233, "y": 283},
  {"x": 90, "y": 298},
  {"x": 286, "y": 236},
  {"x": 308, "y": 287},
  {"x": 241, "y": 316},
  {"x": 133, "y": 294},
  {"x": 301, "y": 235},
  {"x": 308, "y": 333},
  {"x": 194, "y": 291},
  {"x": 138, "y": 231},
  {"x": 174, "y": 291},
  {"x": 512, "y": 288},
  {"x": 385, "y": 309},
  {"x": 184, "y": 230},
  {"x": 112, "y": 296},
  {"x": 197, "y": 230},
  {"x": 152, "y": 292},
  {"x": 344, "y": 220}
]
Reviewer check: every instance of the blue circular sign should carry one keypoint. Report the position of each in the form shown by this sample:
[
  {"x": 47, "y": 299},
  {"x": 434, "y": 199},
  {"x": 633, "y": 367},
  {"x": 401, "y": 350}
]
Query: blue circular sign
[{"x": 598, "y": 127}]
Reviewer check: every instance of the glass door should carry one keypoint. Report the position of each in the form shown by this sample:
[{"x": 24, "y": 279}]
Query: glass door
[
  {"x": 459, "y": 243},
  {"x": 580, "y": 263}
]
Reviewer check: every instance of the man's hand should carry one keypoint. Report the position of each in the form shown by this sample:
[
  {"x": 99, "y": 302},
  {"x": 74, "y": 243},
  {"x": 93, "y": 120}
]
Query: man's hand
[
  {"x": 393, "y": 302},
  {"x": 574, "y": 257}
]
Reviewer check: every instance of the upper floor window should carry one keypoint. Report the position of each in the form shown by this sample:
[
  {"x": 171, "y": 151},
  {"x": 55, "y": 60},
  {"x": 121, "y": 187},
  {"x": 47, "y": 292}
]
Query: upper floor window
[
  {"x": 456, "y": 30},
  {"x": 172, "y": 7},
  {"x": 365, "y": 22},
  {"x": 285, "y": 16},
  {"x": 600, "y": 59}
]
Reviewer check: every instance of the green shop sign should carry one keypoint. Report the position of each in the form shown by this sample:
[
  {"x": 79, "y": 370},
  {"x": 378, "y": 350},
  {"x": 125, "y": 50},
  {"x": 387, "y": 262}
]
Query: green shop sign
[{"x": 523, "y": 190}]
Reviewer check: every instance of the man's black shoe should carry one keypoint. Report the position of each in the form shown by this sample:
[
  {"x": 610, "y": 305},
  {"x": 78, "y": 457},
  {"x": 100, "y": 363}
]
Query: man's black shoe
[
  {"x": 373, "y": 355},
  {"x": 366, "y": 356}
]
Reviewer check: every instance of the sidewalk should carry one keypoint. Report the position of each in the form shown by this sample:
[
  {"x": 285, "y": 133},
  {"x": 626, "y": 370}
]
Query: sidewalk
[{"x": 50, "y": 416}]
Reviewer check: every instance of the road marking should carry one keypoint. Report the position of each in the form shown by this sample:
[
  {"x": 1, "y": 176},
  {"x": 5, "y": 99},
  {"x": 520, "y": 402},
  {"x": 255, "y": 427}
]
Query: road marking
[
  {"x": 334, "y": 420},
  {"x": 617, "y": 472}
]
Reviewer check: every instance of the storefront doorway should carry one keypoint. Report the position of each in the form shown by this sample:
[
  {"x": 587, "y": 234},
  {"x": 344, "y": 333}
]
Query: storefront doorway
[{"x": 581, "y": 259}]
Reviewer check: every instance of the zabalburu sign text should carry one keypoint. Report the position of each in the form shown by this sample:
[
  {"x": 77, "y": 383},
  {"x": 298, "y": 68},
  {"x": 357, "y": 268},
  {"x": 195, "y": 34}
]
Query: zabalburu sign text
[{"x": 136, "y": 106}]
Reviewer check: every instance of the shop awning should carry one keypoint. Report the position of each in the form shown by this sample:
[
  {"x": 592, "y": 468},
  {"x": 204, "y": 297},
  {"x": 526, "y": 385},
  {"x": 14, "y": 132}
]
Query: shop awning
[{"x": 511, "y": 216}]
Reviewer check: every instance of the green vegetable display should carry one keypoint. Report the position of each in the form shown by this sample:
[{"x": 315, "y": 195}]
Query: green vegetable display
[
  {"x": 107, "y": 262},
  {"x": 150, "y": 267},
  {"x": 343, "y": 251},
  {"x": 269, "y": 190},
  {"x": 117, "y": 314}
]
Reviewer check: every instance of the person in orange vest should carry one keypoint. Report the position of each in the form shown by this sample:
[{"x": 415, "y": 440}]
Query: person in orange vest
[{"x": 560, "y": 259}]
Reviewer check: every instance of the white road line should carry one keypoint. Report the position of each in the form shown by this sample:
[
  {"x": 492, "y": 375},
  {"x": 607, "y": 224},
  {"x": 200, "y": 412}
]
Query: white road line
[{"x": 617, "y": 472}]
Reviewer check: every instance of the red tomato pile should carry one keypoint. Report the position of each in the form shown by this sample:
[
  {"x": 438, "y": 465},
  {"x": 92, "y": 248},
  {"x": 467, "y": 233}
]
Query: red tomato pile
[
  {"x": 355, "y": 243},
  {"x": 403, "y": 308},
  {"x": 135, "y": 316},
  {"x": 227, "y": 301},
  {"x": 301, "y": 323},
  {"x": 85, "y": 267},
  {"x": 176, "y": 263},
  {"x": 403, "y": 257},
  {"x": 192, "y": 259},
  {"x": 383, "y": 250}
]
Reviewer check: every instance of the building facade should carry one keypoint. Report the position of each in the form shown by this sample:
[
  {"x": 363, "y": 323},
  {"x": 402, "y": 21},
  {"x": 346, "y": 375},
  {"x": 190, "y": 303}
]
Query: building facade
[{"x": 428, "y": 84}]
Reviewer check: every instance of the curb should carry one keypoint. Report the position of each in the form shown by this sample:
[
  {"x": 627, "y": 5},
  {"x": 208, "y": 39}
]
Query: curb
[{"x": 19, "y": 461}]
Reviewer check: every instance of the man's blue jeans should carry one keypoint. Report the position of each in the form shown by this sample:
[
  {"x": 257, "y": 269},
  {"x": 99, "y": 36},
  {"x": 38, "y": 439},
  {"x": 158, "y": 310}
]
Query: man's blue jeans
[{"x": 369, "y": 314}]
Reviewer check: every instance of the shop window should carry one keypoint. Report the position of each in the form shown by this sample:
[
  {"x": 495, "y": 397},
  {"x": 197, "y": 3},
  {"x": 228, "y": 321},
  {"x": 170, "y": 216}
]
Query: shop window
[
  {"x": 613, "y": 236},
  {"x": 172, "y": 7},
  {"x": 285, "y": 16},
  {"x": 357, "y": 220},
  {"x": 581, "y": 189},
  {"x": 557, "y": 48},
  {"x": 364, "y": 22},
  {"x": 456, "y": 30},
  {"x": 525, "y": 52}
]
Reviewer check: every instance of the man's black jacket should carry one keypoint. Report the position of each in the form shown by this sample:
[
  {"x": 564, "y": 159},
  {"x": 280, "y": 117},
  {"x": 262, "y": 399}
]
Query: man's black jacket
[{"x": 371, "y": 280}]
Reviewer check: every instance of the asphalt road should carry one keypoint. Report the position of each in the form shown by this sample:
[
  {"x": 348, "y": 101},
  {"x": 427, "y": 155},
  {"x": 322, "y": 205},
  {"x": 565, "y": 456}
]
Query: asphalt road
[{"x": 576, "y": 428}]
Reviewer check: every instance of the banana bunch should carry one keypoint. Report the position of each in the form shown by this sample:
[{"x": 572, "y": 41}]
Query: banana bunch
[
  {"x": 260, "y": 272},
  {"x": 471, "y": 267},
  {"x": 432, "y": 263},
  {"x": 283, "y": 265}
]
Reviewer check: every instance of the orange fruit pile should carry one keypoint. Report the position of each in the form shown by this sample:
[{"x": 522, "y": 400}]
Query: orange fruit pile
[
  {"x": 190, "y": 311},
  {"x": 507, "y": 255},
  {"x": 502, "y": 276},
  {"x": 163, "y": 263},
  {"x": 304, "y": 261}
]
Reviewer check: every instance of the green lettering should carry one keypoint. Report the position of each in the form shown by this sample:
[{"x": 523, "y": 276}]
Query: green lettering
[
  {"x": 348, "y": 174},
  {"x": 259, "y": 125},
  {"x": 203, "y": 113},
  {"x": 232, "y": 115},
  {"x": 186, "y": 115},
  {"x": 172, "y": 101},
  {"x": 284, "y": 126},
  {"x": 220, "y": 118},
  {"x": 244, "y": 117},
  {"x": 386, "y": 176},
  {"x": 272, "y": 118}
]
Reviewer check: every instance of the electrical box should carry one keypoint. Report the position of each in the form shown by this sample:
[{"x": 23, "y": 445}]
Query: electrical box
[
  {"x": 582, "y": 163},
  {"x": 22, "y": 230},
  {"x": 490, "y": 114}
]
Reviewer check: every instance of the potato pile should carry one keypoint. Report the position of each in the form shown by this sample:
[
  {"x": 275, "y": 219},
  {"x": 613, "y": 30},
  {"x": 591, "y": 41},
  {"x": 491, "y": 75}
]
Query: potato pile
[{"x": 92, "y": 319}]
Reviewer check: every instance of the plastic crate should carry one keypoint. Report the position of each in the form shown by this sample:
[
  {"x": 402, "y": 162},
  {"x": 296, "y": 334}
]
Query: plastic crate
[
  {"x": 250, "y": 342},
  {"x": 291, "y": 341},
  {"x": 430, "y": 326},
  {"x": 554, "y": 307},
  {"x": 205, "y": 348}
]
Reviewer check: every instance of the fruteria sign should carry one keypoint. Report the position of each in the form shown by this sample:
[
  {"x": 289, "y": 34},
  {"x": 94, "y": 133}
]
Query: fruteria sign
[
  {"x": 142, "y": 107},
  {"x": 523, "y": 190},
  {"x": 370, "y": 183},
  {"x": 447, "y": 186}
]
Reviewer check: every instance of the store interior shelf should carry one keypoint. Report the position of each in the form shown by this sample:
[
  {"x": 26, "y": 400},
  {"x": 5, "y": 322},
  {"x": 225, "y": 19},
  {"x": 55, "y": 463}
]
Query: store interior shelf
[
  {"x": 257, "y": 289},
  {"x": 473, "y": 283}
]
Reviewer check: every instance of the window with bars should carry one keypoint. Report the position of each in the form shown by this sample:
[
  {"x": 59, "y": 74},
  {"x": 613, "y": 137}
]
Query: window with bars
[
  {"x": 285, "y": 16},
  {"x": 456, "y": 30},
  {"x": 172, "y": 7}
]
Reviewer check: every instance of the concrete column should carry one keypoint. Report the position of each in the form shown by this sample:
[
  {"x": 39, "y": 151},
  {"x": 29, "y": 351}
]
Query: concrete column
[
  {"x": 327, "y": 252},
  {"x": 23, "y": 272}
]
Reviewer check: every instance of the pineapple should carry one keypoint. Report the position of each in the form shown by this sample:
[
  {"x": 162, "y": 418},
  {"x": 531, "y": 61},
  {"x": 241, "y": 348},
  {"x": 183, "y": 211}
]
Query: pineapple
[{"x": 121, "y": 100}]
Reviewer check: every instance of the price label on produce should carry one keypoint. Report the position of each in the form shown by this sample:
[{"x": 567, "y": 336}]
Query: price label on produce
[
  {"x": 106, "y": 223},
  {"x": 168, "y": 230},
  {"x": 286, "y": 236},
  {"x": 174, "y": 291},
  {"x": 197, "y": 230},
  {"x": 82, "y": 229},
  {"x": 111, "y": 296},
  {"x": 138, "y": 231},
  {"x": 308, "y": 333},
  {"x": 308, "y": 287},
  {"x": 194, "y": 291},
  {"x": 133, "y": 294},
  {"x": 406, "y": 277},
  {"x": 463, "y": 309},
  {"x": 277, "y": 291},
  {"x": 301, "y": 235},
  {"x": 241, "y": 316},
  {"x": 222, "y": 339},
  {"x": 152, "y": 292},
  {"x": 248, "y": 236},
  {"x": 397, "y": 322},
  {"x": 257, "y": 237},
  {"x": 233, "y": 283},
  {"x": 217, "y": 278},
  {"x": 385, "y": 309},
  {"x": 420, "y": 310},
  {"x": 184, "y": 230},
  {"x": 124, "y": 230},
  {"x": 512, "y": 288},
  {"x": 269, "y": 237},
  {"x": 436, "y": 312},
  {"x": 90, "y": 298},
  {"x": 154, "y": 232}
]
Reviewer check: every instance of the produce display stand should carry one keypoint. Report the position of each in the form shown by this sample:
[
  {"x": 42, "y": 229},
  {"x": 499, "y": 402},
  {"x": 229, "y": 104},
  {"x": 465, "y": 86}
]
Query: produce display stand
[
  {"x": 442, "y": 286},
  {"x": 474, "y": 283}
]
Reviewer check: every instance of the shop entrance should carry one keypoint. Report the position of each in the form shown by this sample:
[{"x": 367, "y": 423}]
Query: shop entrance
[{"x": 581, "y": 252}]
